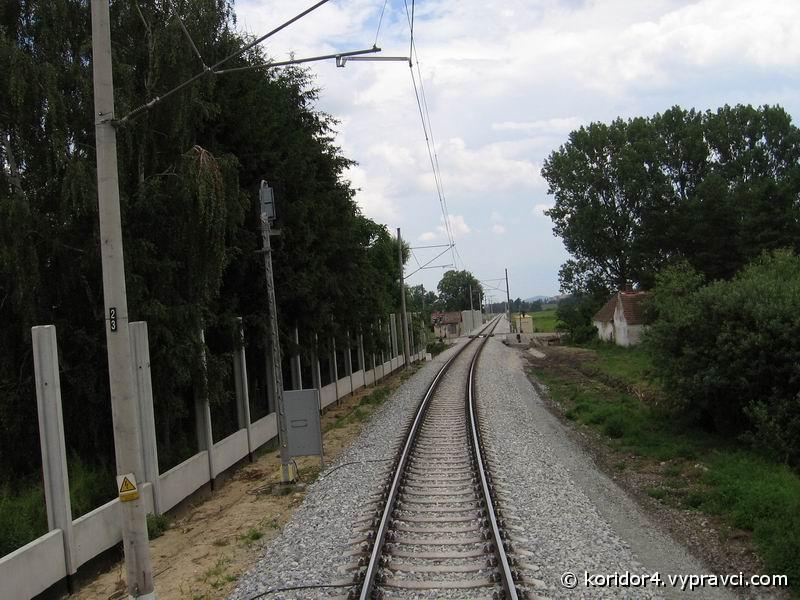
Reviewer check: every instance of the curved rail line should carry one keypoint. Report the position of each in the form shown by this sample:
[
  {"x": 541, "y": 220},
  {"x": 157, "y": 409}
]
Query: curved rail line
[{"x": 451, "y": 501}]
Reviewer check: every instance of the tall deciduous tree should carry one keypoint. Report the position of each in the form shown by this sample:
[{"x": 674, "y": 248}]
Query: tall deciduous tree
[
  {"x": 715, "y": 188},
  {"x": 454, "y": 290},
  {"x": 190, "y": 170}
]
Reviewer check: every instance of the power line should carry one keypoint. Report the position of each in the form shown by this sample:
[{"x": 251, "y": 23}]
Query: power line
[
  {"x": 427, "y": 128},
  {"x": 380, "y": 22},
  {"x": 427, "y": 263},
  {"x": 415, "y": 256},
  {"x": 211, "y": 69},
  {"x": 187, "y": 34}
]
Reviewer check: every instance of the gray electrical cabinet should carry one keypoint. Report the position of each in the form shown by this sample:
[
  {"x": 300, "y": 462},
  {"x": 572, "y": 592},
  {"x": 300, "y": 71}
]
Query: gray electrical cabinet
[{"x": 302, "y": 422}]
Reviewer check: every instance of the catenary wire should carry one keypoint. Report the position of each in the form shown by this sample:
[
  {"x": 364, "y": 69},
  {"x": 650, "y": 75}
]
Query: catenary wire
[
  {"x": 422, "y": 104},
  {"x": 204, "y": 72},
  {"x": 380, "y": 22}
]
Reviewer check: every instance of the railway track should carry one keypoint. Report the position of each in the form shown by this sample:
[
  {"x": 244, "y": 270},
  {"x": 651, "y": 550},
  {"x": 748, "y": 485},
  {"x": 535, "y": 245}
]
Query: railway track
[{"x": 438, "y": 533}]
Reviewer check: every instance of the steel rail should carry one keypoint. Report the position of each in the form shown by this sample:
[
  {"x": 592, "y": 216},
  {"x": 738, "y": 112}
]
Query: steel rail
[
  {"x": 373, "y": 565},
  {"x": 503, "y": 565}
]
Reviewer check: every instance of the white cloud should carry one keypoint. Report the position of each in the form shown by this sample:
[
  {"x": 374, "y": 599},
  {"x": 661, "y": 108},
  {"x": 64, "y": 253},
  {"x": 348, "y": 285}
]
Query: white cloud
[
  {"x": 427, "y": 236},
  {"x": 373, "y": 194},
  {"x": 542, "y": 126},
  {"x": 498, "y": 229},
  {"x": 458, "y": 226},
  {"x": 506, "y": 82}
]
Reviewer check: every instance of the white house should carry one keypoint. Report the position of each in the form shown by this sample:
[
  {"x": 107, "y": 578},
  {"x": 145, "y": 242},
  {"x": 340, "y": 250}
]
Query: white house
[{"x": 621, "y": 319}]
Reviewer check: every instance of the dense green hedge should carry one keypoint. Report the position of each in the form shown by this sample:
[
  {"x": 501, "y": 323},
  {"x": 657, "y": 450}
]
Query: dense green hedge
[{"x": 730, "y": 350}]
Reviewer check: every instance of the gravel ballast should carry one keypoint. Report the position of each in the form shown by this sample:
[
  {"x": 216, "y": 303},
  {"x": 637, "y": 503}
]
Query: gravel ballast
[
  {"x": 569, "y": 517},
  {"x": 564, "y": 514},
  {"x": 317, "y": 540}
]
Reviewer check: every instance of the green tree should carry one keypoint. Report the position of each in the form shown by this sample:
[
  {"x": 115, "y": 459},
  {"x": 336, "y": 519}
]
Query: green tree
[
  {"x": 602, "y": 186},
  {"x": 715, "y": 188},
  {"x": 189, "y": 172},
  {"x": 729, "y": 349},
  {"x": 454, "y": 291}
]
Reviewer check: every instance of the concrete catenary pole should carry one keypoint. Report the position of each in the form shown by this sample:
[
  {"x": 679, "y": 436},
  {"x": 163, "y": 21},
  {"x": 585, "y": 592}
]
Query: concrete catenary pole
[
  {"x": 406, "y": 345},
  {"x": 508, "y": 302},
  {"x": 123, "y": 399},
  {"x": 275, "y": 343}
]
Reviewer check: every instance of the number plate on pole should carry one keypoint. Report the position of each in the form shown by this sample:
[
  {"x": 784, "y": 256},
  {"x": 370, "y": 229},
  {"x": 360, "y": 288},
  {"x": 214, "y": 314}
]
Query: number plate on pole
[{"x": 112, "y": 318}]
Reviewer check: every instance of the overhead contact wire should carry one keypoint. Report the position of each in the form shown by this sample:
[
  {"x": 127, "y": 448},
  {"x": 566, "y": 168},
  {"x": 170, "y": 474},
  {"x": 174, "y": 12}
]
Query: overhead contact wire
[{"x": 427, "y": 127}]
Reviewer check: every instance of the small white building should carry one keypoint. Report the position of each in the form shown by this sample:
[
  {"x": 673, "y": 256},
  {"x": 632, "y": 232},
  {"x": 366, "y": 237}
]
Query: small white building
[{"x": 621, "y": 320}]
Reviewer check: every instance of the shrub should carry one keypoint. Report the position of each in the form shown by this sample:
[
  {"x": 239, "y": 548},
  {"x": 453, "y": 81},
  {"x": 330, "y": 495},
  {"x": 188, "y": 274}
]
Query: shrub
[
  {"x": 574, "y": 316},
  {"x": 23, "y": 516},
  {"x": 730, "y": 349},
  {"x": 156, "y": 525}
]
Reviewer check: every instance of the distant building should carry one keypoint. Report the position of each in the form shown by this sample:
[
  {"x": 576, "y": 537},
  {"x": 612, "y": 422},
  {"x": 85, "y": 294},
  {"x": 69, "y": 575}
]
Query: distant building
[
  {"x": 446, "y": 324},
  {"x": 455, "y": 324},
  {"x": 621, "y": 319}
]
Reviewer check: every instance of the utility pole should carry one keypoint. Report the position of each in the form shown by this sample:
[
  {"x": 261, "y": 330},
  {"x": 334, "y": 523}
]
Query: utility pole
[
  {"x": 406, "y": 343},
  {"x": 267, "y": 201},
  {"x": 470, "y": 298},
  {"x": 124, "y": 411},
  {"x": 508, "y": 302}
]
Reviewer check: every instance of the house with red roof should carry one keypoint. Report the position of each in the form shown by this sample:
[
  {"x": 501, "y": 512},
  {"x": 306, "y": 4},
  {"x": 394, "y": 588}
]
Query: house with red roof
[{"x": 621, "y": 320}]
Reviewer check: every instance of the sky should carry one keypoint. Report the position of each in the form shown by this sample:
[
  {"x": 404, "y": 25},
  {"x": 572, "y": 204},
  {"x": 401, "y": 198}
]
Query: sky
[{"x": 505, "y": 83}]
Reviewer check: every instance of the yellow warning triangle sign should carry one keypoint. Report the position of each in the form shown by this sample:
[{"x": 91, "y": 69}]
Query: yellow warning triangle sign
[{"x": 126, "y": 486}]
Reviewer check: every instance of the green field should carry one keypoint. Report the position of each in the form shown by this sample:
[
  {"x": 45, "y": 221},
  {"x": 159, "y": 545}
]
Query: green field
[{"x": 543, "y": 320}]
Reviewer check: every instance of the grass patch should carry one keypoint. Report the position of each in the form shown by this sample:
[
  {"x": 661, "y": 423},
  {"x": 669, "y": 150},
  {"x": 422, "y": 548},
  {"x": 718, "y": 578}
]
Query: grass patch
[
  {"x": 376, "y": 397},
  {"x": 437, "y": 347},
  {"x": 23, "y": 516},
  {"x": 630, "y": 425},
  {"x": 156, "y": 525},
  {"x": 363, "y": 410},
  {"x": 747, "y": 491},
  {"x": 545, "y": 320},
  {"x": 250, "y": 536},
  {"x": 216, "y": 576},
  {"x": 631, "y": 366},
  {"x": 23, "y": 513},
  {"x": 759, "y": 496}
]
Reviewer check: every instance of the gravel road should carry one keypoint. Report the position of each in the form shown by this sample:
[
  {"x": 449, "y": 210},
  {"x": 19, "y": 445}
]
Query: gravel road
[{"x": 566, "y": 515}]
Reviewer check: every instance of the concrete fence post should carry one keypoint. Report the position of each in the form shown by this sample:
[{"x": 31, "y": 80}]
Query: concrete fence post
[
  {"x": 140, "y": 359},
  {"x": 410, "y": 319},
  {"x": 348, "y": 360},
  {"x": 334, "y": 368},
  {"x": 316, "y": 371},
  {"x": 51, "y": 437},
  {"x": 386, "y": 356},
  {"x": 202, "y": 413},
  {"x": 242, "y": 388},
  {"x": 393, "y": 333},
  {"x": 361, "y": 362},
  {"x": 297, "y": 368},
  {"x": 374, "y": 363}
]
